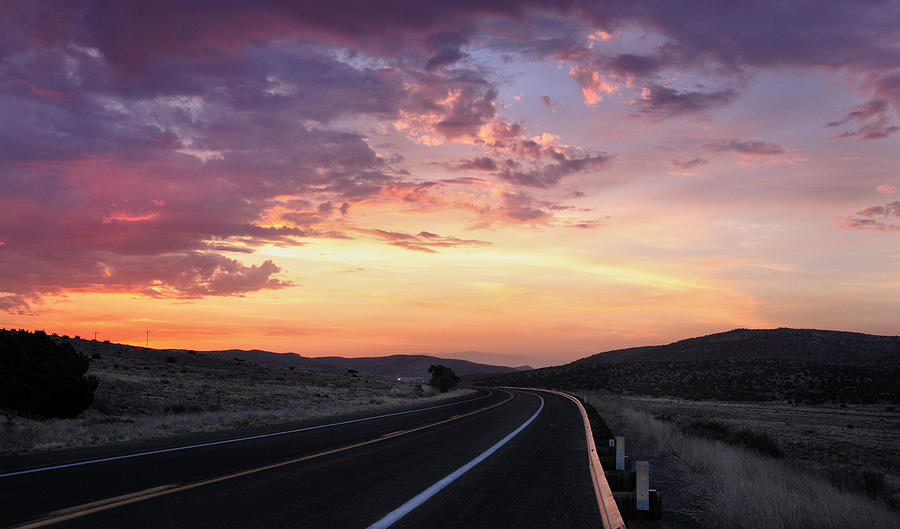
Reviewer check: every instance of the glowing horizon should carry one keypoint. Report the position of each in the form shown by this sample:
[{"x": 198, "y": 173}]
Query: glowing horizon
[{"x": 535, "y": 182}]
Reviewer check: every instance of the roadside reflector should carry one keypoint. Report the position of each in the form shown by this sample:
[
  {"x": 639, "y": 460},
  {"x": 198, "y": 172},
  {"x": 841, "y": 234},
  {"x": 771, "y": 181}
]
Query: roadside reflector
[
  {"x": 620, "y": 453},
  {"x": 642, "y": 485}
]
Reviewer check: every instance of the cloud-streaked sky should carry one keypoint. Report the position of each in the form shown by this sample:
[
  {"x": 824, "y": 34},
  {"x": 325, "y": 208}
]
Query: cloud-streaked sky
[{"x": 541, "y": 180}]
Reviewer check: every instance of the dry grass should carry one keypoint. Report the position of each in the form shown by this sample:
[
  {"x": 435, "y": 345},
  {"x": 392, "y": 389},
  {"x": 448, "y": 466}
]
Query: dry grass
[
  {"x": 844, "y": 444},
  {"x": 733, "y": 488},
  {"x": 152, "y": 393}
]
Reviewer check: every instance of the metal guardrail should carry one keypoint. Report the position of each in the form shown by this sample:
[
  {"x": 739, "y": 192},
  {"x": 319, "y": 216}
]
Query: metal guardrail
[{"x": 612, "y": 518}]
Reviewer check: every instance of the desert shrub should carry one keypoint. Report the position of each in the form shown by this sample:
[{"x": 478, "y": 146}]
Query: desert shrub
[
  {"x": 743, "y": 437},
  {"x": 599, "y": 428},
  {"x": 753, "y": 380},
  {"x": 736, "y": 489},
  {"x": 42, "y": 379},
  {"x": 177, "y": 409},
  {"x": 874, "y": 485},
  {"x": 442, "y": 377},
  {"x": 709, "y": 429},
  {"x": 759, "y": 442}
]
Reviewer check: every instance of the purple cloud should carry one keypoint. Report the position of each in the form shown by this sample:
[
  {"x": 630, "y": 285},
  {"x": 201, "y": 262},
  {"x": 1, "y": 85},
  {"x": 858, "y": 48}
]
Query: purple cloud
[
  {"x": 662, "y": 102},
  {"x": 149, "y": 138},
  {"x": 481, "y": 163},
  {"x": 875, "y": 218},
  {"x": 687, "y": 165},
  {"x": 551, "y": 174},
  {"x": 749, "y": 148},
  {"x": 424, "y": 241}
]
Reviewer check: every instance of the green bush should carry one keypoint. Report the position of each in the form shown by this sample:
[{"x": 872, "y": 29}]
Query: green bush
[{"x": 40, "y": 378}]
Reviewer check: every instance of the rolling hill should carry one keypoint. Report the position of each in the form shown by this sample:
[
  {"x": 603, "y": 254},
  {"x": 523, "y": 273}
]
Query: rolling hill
[
  {"x": 794, "y": 365},
  {"x": 395, "y": 366},
  {"x": 838, "y": 347}
]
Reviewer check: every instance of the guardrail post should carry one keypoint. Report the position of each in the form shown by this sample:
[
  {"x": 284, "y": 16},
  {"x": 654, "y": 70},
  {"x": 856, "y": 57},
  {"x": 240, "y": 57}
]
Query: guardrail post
[
  {"x": 642, "y": 485},
  {"x": 620, "y": 452}
]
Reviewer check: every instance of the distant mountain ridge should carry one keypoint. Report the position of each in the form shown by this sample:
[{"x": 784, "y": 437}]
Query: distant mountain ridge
[
  {"x": 810, "y": 345},
  {"x": 397, "y": 366},
  {"x": 795, "y": 365}
]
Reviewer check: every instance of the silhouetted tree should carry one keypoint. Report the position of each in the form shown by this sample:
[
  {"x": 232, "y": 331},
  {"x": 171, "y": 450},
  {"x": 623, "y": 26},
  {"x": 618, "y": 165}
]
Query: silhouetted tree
[
  {"x": 442, "y": 377},
  {"x": 41, "y": 378}
]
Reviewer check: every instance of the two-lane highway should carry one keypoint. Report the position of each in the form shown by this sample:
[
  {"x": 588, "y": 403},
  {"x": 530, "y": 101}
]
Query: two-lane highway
[{"x": 500, "y": 459}]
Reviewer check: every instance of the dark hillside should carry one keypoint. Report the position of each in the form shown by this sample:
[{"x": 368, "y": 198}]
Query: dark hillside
[
  {"x": 394, "y": 366},
  {"x": 808, "y": 366},
  {"x": 833, "y": 347}
]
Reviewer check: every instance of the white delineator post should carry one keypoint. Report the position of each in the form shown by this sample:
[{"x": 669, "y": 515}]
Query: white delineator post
[
  {"x": 642, "y": 485},
  {"x": 620, "y": 453}
]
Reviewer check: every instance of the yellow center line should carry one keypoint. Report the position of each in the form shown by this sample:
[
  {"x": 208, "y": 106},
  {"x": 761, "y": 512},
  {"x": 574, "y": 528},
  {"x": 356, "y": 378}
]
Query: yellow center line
[{"x": 155, "y": 492}]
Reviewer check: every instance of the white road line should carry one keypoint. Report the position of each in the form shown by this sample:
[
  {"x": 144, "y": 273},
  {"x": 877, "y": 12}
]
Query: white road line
[
  {"x": 423, "y": 496},
  {"x": 236, "y": 440}
]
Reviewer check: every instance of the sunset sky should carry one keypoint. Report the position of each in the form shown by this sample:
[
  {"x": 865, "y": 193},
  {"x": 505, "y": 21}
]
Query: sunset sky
[{"x": 538, "y": 181}]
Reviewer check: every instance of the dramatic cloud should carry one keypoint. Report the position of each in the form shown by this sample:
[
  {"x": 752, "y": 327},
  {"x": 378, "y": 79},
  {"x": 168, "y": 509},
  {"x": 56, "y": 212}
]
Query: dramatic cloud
[
  {"x": 886, "y": 189},
  {"x": 447, "y": 107},
  {"x": 875, "y": 218},
  {"x": 184, "y": 275},
  {"x": 173, "y": 177},
  {"x": 593, "y": 85},
  {"x": 532, "y": 162},
  {"x": 146, "y": 143}
]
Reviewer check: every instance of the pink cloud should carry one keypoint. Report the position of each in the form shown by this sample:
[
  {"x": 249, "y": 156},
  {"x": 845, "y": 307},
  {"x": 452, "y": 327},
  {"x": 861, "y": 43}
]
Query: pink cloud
[
  {"x": 748, "y": 148},
  {"x": 876, "y": 218},
  {"x": 687, "y": 165},
  {"x": 138, "y": 153},
  {"x": 423, "y": 241}
]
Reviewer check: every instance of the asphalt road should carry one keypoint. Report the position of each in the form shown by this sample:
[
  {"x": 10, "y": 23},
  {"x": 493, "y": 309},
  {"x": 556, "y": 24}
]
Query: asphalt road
[{"x": 350, "y": 475}]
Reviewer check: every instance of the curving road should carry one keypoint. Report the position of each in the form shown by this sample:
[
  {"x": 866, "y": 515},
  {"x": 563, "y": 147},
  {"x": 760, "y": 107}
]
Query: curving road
[{"x": 499, "y": 459}]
